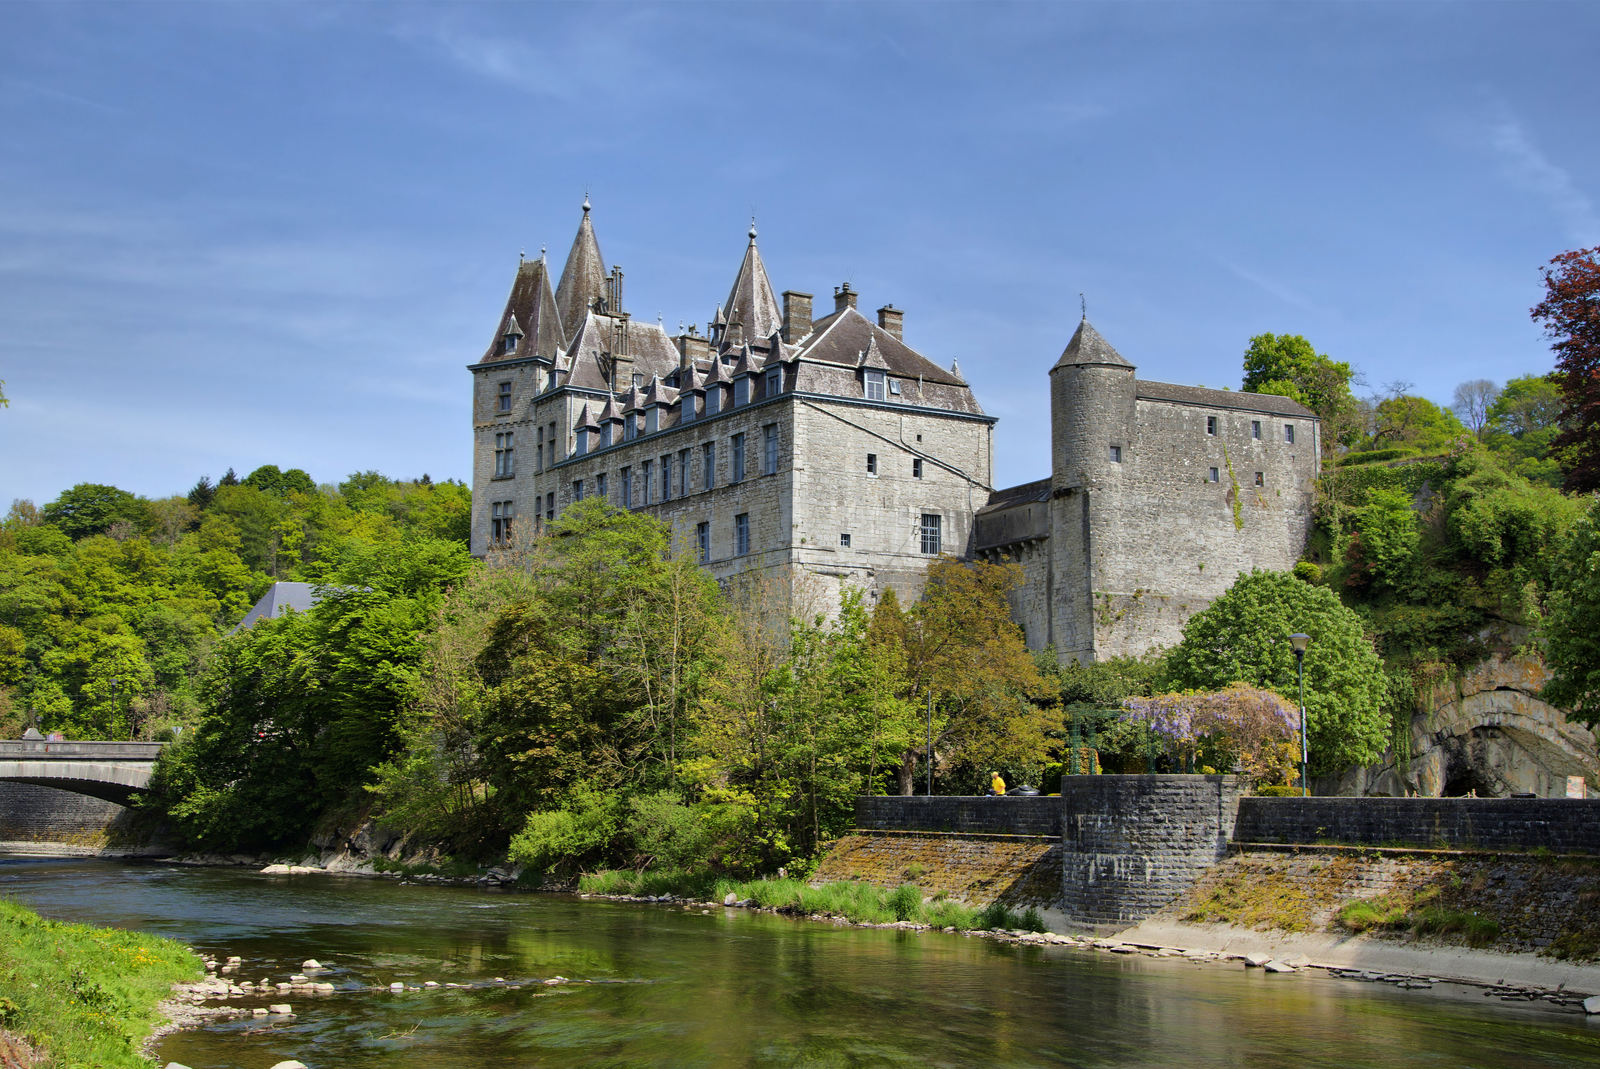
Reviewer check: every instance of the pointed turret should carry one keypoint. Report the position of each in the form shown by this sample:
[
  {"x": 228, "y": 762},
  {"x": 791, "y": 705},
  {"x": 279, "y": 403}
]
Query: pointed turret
[
  {"x": 752, "y": 302},
  {"x": 1088, "y": 347},
  {"x": 530, "y": 325},
  {"x": 583, "y": 279}
]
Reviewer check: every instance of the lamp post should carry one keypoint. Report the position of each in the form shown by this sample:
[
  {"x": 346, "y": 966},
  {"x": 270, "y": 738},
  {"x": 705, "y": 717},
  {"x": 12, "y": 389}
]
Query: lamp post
[{"x": 1300, "y": 642}]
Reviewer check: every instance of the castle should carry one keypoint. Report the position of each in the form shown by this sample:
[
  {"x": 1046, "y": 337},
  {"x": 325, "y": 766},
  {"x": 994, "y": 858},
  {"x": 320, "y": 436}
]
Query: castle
[{"x": 829, "y": 450}]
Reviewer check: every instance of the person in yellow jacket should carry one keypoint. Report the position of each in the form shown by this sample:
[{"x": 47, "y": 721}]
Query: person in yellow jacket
[{"x": 996, "y": 784}]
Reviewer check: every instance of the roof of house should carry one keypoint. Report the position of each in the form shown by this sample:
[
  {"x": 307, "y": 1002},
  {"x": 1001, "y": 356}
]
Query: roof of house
[
  {"x": 1038, "y": 490},
  {"x": 279, "y": 599},
  {"x": 1268, "y": 403},
  {"x": 1088, "y": 347},
  {"x": 583, "y": 279},
  {"x": 751, "y": 301},
  {"x": 843, "y": 337},
  {"x": 530, "y": 312}
]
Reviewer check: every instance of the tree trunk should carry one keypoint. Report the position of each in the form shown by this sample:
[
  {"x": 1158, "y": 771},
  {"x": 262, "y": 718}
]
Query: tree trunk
[{"x": 906, "y": 775}]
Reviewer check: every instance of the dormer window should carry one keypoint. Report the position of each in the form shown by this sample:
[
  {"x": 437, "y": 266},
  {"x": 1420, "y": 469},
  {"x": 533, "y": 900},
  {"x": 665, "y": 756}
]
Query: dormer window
[
  {"x": 874, "y": 384},
  {"x": 774, "y": 381},
  {"x": 511, "y": 343},
  {"x": 741, "y": 391}
]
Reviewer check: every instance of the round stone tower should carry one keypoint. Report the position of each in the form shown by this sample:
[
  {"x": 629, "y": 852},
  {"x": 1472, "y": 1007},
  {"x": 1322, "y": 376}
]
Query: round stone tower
[{"x": 1091, "y": 451}]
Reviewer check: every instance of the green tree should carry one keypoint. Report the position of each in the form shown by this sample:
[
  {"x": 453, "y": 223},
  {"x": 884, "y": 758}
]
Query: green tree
[
  {"x": 1522, "y": 425},
  {"x": 1414, "y": 423},
  {"x": 1288, "y": 365},
  {"x": 90, "y": 509},
  {"x": 1570, "y": 631},
  {"x": 269, "y": 479},
  {"x": 1243, "y": 637}
]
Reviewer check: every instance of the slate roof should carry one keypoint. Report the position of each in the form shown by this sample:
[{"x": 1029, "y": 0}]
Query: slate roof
[
  {"x": 1270, "y": 404},
  {"x": 1088, "y": 347},
  {"x": 844, "y": 336},
  {"x": 1038, "y": 490},
  {"x": 279, "y": 599},
  {"x": 532, "y": 307},
  {"x": 652, "y": 351},
  {"x": 751, "y": 300},
  {"x": 583, "y": 279}
]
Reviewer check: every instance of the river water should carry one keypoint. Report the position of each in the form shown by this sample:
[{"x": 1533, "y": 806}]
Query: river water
[{"x": 669, "y": 987}]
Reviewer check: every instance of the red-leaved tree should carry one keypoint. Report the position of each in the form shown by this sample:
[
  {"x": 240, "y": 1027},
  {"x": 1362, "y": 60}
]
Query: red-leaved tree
[{"x": 1570, "y": 314}]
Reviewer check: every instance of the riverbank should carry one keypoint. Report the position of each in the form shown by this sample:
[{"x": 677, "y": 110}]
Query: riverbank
[{"x": 72, "y": 994}]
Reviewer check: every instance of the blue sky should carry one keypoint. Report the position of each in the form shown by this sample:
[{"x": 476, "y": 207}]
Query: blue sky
[{"x": 233, "y": 235}]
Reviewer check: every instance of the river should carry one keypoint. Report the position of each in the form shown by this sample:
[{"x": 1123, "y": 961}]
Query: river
[{"x": 670, "y": 987}]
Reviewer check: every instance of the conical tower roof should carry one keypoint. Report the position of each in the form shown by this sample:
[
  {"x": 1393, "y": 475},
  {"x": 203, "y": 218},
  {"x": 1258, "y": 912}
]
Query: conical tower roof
[
  {"x": 530, "y": 313},
  {"x": 1088, "y": 347},
  {"x": 751, "y": 301},
  {"x": 583, "y": 279}
]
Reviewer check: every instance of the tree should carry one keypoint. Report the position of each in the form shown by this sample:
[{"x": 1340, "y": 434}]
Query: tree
[
  {"x": 1288, "y": 365},
  {"x": 1411, "y": 422},
  {"x": 1571, "y": 628},
  {"x": 1472, "y": 403},
  {"x": 1570, "y": 315},
  {"x": 1527, "y": 405},
  {"x": 270, "y": 479},
  {"x": 1243, "y": 637},
  {"x": 89, "y": 509}
]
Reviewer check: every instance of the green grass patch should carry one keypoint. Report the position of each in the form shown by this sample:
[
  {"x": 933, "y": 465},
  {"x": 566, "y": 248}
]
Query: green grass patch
[
  {"x": 853, "y": 900},
  {"x": 1406, "y": 911},
  {"x": 85, "y": 995}
]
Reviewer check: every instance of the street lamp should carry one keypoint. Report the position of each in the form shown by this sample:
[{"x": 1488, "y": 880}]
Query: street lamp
[{"x": 1300, "y": 642}]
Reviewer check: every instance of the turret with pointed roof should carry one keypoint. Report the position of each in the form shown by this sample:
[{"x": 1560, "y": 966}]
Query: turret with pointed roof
[
  {"x": 1088, "y": 347},
  {"x": 530, "y": 316},
  {"x": 752, "y": 302},
  {"x": 583, "y": 279}
]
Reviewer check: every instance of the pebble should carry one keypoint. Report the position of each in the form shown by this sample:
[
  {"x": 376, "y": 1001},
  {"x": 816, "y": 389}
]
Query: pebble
[
  {"x": 280, "y": 1007},
  {"x": 291, "y": 1064},
  {"x": 1257, "y": 960},
  {"x": 1591, "y": 1004},
  {"x": 1278, "y": 966},
  {"x": 398, "y": 985},
  {"x": 259, "y": 1011},
  {"x": 431, "y": 983},
  {"x": 309, "y": 963}
]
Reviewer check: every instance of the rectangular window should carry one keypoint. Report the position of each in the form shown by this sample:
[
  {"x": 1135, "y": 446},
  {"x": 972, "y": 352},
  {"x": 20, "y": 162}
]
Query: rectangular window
[
  {"x": 916, "y": 467},
  {"x": 683, "y": 473},
  {"x": 1261, "y": 478},
  {"x": 504, "y": 464},
  {"x": 702, "y": 541},
  {"x": 894, "y": 387},
  {"x": 686, "y": 408},
  {"x": 708, "y": 464},
  {"x": 627, "y": 488},
  {"x": 577, "y": 489},
  {"x": 844, "y": 540},
  {"x": 774, "y": 381},
  {"x": 1116, "y": 454},
  {"x": 713, "y": 400},
  {"x": 741, "y": 391},
  {"x": 649, "y": 487},
  {"x": 872, "y": 463},
  {"x": 549, "y": 505},
  {"x": 1288, "y": 433},
  {"x": 666, "y": 478},
  {"x": 874, "y": 384},
  {"x": 652, "y": 419},
  {"x": 600, "y": 485},
  {"x": 583, "y": 443},
  {"x": 1211, "y": 424},
  {"x": 500, "y": 525},
  {"x": 553, "y": 456},
  {"x": 741, "y": 534},
  {"x": 540, "y": 466},
  {"x": 630, "y": 426},
  {"x": 931, "y": 540},
  {"x": 770, "y": 434},
  {"x": 1212, "y": 475},
  {"x": 1255, "y": 428},
  {"x": 738, "y": 458},
  {"x": 505, "y": 397}
]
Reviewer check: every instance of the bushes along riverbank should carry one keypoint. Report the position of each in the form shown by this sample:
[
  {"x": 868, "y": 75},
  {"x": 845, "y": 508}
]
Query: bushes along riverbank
[{"x": 83, "y": 996}]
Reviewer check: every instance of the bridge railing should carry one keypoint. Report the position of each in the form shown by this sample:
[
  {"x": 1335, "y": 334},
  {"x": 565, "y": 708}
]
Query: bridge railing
[{"x": 44, "y": 749}]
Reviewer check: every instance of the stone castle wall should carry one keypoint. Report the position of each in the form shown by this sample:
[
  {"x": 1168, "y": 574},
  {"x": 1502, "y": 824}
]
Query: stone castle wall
[
  {"x": 34, "y": 814},
  {"x": 971, "y": 814},
  {"x": 1560, "y": 825}
]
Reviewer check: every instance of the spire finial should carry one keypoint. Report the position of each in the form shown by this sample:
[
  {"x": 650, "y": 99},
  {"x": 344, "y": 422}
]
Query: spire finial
[
  {"x": 752, "y": 228},
  {"x": 586, "y": 200},
  {"x": 1084, "y": 305}
]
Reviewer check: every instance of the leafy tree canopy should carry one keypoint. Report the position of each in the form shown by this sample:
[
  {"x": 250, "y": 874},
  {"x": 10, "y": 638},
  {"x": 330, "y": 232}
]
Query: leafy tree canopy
[
  {"x": 269, "y": 479},
  {"x": 90, "y": 509},
  {"x": 1288, "y": 365},
  {"x": 1570, "y": 314},
  {"x": 1571, "y": 629}
]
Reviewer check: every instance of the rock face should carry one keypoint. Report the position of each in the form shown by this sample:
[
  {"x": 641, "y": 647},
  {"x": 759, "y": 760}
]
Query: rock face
[{"x": 1488, "y": 733}]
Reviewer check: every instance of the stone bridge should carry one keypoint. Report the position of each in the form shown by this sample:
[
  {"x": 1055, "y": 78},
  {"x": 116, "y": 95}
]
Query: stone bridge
[{"x": 111, "y": 771}]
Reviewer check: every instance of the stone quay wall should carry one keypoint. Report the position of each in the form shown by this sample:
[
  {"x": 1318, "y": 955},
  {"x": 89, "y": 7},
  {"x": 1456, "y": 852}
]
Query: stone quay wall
[
  {"x": 1039, "y": 815},
  {"x": 1560, "y": 825},
  {"x": 1130, "y": 844},
  {"x": 35, "y": 814}
]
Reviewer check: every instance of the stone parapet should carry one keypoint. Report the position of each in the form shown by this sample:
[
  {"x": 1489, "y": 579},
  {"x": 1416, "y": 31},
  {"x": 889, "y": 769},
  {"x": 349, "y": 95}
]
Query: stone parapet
[
  {"x": 1560, "y": 825},
  {"x": 1038, "y": 815}
]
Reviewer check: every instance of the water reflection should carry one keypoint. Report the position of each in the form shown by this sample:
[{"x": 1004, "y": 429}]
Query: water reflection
[{"x": 668, "y": 987}]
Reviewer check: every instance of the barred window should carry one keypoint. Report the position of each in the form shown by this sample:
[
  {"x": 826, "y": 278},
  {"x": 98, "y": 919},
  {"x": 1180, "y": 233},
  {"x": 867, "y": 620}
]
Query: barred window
[
  {"x": 770, "y": 433},
  {"x": 702, "y": 541},
  {"x": 741, "y": 534},
  {"x": 931, "y": 524}
]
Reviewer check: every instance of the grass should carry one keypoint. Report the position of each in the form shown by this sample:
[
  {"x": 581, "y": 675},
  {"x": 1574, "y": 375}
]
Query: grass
[
  {"x": 86, "y": 995},
  {"x": 1403, "y": 911},
  {"x": 853, "y": 900},
  {"x": 1258, "y": 901}
]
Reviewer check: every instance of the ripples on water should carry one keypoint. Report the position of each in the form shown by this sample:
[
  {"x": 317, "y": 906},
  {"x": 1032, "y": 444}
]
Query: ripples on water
[{"x": 676, "y": 988}]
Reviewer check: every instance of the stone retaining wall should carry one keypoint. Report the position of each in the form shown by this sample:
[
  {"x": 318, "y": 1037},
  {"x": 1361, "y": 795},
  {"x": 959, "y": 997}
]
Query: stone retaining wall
[
  {"x": 1039, "y": 815},
  {"x": 1560, "y": 825},
  {"x": 47, "y": 815}
]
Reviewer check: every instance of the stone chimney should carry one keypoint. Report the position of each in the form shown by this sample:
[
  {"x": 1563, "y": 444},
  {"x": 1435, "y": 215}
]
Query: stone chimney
[
  {"x": 692, "y": 346},
  {"x": 796, "y": 315},
  {"x": 892, "y": 319},
  {"x": 844, "y": 297}
]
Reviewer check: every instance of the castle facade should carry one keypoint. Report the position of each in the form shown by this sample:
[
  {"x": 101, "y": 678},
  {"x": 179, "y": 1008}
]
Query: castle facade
[{"x": 826, "y": 452}]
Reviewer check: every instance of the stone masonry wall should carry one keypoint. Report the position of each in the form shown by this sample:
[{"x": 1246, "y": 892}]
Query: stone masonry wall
[
  {"x": 1130, "y": 844},
  {"x": 1560, "y": 825},
  {"x": 29, "y": 813},
  {"x": 1039, "y": 815}
]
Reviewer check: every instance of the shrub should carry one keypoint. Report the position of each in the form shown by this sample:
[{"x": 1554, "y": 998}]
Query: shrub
[{"x": 905, "y": 901}]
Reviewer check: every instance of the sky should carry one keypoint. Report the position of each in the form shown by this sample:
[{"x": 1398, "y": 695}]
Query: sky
[{"x": 236, "y": 234}]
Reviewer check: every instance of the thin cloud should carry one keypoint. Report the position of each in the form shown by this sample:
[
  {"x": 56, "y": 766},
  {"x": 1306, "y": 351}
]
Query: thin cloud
[
  {"x": 1531, "y": 169},
  {"x": 67, "y": 98},
  {"x": 1275, "y": 288}
]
